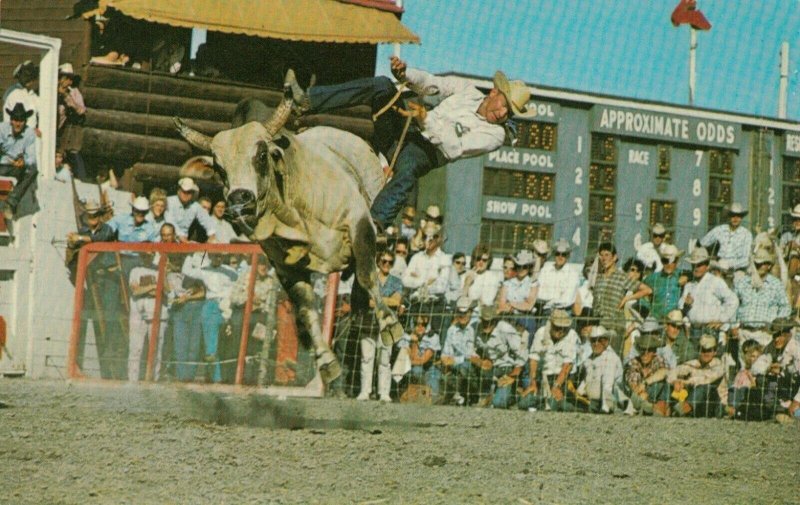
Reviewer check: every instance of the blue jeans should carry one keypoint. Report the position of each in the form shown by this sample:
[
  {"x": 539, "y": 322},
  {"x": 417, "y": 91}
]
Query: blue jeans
[
  {"x": 416, "y": 158},
  {"x": 212, "y": 321},
  {"x": 25, "y": 177},
  {"x": 504, "y": 396},
  {"x": 188, "y": 327},
  {"x": 431, "y": 377}
]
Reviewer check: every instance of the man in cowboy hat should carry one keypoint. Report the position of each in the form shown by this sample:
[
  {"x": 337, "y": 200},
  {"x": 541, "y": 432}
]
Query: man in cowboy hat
[
  {"x": 735, "y": 241},
  {"x": 558, "y": 283},
  {"x": 695, "y": 383},
  {"x": 645, "y": 377},
  {"x": 664, "y": 283},
  {"x": 134, "y": 227},
  {"x": 71, "y": 108},
  {"x": 648, "y": 253},
  {"x": 707, "y": 300},
  {"x": 498, "y": 358},
  {"x": 183, "y": 210},
  {"x": 762, "y": 299},
  {"x": 17, "y": 155},
  {"x": 791, "y": 238},
  {"x": 24, "y": 92},
  {"x": 466, "y": 122}
]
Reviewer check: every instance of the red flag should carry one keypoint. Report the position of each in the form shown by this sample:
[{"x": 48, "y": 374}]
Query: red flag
[{"x": 686, "y": 12}]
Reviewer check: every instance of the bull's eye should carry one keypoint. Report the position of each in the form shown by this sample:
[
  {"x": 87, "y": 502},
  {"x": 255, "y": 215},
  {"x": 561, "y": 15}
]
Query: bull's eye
[{"x": 261, "y": 160}]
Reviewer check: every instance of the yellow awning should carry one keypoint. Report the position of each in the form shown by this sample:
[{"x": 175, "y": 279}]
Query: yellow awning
[{"x": 299, "y": 20}]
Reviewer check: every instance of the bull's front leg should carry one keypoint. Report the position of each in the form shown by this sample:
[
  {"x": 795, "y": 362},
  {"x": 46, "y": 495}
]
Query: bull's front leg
[{"x": 302, "y": 296}]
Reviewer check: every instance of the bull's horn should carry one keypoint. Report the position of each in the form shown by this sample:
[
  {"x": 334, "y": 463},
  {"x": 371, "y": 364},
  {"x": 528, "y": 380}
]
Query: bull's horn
[
  {"x": 280, "y": 117},
  {"x": 192, "y": 136}
]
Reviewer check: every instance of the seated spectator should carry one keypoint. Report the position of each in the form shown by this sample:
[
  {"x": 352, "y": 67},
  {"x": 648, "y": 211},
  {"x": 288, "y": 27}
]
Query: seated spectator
[
  {"x": 552, "y": 359},
  {"x": 423, "y": 345},
  {"x": 664, "y": 283},
  {"x": 584, "y": 299},
  {"x": 743, "y": 400},
  {"x": 158, "y": 207},
  {"x": 24, "y": 92},
  {"x": 427, "y": 276},
  {"x": 455, "y": 281},
  {"x": 509, "y": 268},
  {"x": 143, "y": 281},
  {"x": 205, "y": 203},
  {"x": 372, "y": 347},
  {"x": 225, "y": 231},
  {"x": 517, "y": 295},
  {"x": 779, "y": 368},
  {"x": 480, "y": 282},
  {"x": 558, "y": 284},
  {"x": 694, "y": 383},
  {"x": 17, "y": 155},
  {"x": 600, "y": 391},
  {"x": 679, "y": 346},
  {"x": 498, "y": 358},
  {"x": 182, "y": 211},
  {"x": 400, "y": 257},
  {"x": 63, "y": 170},
  {"x": 645, "y": 378},
  {"x": 459, "y": 346}
]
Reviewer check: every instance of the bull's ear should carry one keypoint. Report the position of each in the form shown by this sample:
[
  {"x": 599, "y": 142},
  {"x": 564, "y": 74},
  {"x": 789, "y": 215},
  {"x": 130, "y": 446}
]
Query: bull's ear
[
  {"x": 282, "y": 141},
  {"x": 198, "y": 167}
]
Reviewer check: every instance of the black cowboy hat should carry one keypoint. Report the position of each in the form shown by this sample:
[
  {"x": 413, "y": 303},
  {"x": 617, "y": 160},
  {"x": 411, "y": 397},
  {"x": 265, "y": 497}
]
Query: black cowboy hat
[{"x": 19, "y": 112}]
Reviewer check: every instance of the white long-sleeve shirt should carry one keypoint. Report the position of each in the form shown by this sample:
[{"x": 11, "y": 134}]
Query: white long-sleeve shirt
[
  {"x": 484, "y": 288},
  {"x": 558, "y": 287},
  {"x": 554, "y": 354},
  {"x": 454, "y": 126},
  {"x": 429, "y": 271},
  {"x": 603, "y": 375},
  {"x": 713, "y": 301}
]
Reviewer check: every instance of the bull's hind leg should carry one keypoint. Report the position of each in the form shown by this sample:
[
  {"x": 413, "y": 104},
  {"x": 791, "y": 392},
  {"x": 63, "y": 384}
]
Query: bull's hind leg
[{"x": 364, "y": 251}]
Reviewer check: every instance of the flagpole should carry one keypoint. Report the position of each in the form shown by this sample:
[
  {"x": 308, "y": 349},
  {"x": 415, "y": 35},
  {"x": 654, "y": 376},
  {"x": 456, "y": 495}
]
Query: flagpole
[{"x": 692, "y": 63}]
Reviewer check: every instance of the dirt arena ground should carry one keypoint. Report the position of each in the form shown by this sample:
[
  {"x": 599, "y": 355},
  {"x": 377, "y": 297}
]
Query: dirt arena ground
[{"x": 84, "y": 443}]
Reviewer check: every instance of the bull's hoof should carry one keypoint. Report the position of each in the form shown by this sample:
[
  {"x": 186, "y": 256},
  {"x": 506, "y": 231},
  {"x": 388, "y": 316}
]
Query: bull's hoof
[
  {"x": 391, "y": 333},
  {"x": 329, "y": 368}
]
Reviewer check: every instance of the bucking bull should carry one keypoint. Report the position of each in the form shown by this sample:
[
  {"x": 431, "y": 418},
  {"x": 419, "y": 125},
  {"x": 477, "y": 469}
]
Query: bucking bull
[{"x": 305, "y": 198}]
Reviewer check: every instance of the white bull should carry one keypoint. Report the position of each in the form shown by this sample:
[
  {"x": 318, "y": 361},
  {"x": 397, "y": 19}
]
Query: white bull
[{"x": 305, "y": 198}]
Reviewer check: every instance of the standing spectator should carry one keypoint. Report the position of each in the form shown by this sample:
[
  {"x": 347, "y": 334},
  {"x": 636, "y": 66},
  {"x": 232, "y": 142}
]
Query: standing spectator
[
  {"x": 433, "y": 215},
  {"x": 735, "y": 241},
  {"x": 480, "y": 283},
  {"x": 143, "y": 282},
  {"x": 780, "y": 367},
  {"x": 102, "y": 303},
  {"x": 541, "y": 249},
  {"x": 664, "y": 283},
  {"x": 455, "y": 281},
  {"x": 218, "y": 280},
  {"x": 649, "y": 253},
  {"x": 182, "y": 210},
  {"x": 400, "y": 257},
  {"x": 707, "y": 300},
  {"x": 17, "y": 155},
  {"x": 695, "y": 382},
  {"x": 225, "y": 231},
  {"x": 498, "y": 358},
  {"x": 24, "y": 92},
  {"x": 167, "y": 234},
  {"x": 790, "y": 240},
  {"x": 407, "y": 227},
  {"x": 427, "y": 275},
  {"x": 558, "y": 284},
  {"x": 600, "y": 389},
  {"x": 134, "y": 227},
  {"x": 762, "y": 299},
  {"x": 645, "y": 378},
  {"x": 71, "y": 114},
  {"x": 459, "y": 346},
  {"x": 158, "y": 207},
  {"x": 635, "y": 270},
  {"x": 186, "y": 295},
  {"x": 552, "y": 360},
  {"x": 612, "y": 290},
  {"x": 372, "y": 348},
  {"x": 517, "y": 295}
]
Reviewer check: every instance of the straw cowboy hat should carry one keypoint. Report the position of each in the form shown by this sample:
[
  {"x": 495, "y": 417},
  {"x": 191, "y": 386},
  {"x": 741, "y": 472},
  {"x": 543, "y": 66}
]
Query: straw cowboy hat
[
  {"x": 516, "y": 92},
  {"x": 670, "y": 252},
  {"x": 658, "y": 229},
  {"x": 763, "y": 256},
  {"x": 562, "y": 246},
  {"x": 699, "y": 255},
  {"x": 736, "y": 209},
  {"x": 560, "y": 319},
  {"x": 524, "y": 257},
  {"x": 795, "y": 212},
  {"x": 141, "y": 203}
]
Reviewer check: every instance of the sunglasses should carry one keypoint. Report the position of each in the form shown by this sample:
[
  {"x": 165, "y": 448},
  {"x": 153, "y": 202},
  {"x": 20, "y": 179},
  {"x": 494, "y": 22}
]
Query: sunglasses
[
  {"x": 429, "y": 238},
  {"x": 401, "y": 252},
  {"x": 385, "y": 261},
  {"x": 659, "y": 235},
  {"x": 411, "y": 218},
  {"x": 422, "y": 323},
  {"x": 714, "y": 349},
  {"x": 666, "y": 261},
  {"x": 562, "y": 254},
  {"x": 522, "y": 267},
  {"x": 483, "y": 258}
]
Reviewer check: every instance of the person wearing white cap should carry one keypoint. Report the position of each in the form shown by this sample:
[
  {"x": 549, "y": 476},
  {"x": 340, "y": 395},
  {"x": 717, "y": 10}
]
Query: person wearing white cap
[
  {"x": 762, "y": 299},
  {"x": 695, "y": 383},
  {"x": 459, "y": 345},
  {"x": 664, "y": 283},
  {"x": 558, "y": 283},
  {"x": 466, "y": 122},
  {"x": 707, "y": 300},
  {"x": 71, "y": 107},
  {"x": 648, "y": 253},
  {"x": 183, "y": 210},
  {"x": 498, "y": 360},
  {"x": 735, "y": 241},
  {"x": 601, "y": 387}
]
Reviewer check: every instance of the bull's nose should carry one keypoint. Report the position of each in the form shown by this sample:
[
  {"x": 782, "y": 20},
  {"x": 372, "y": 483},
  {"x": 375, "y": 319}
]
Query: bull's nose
[{"x": 241, "y": 198}]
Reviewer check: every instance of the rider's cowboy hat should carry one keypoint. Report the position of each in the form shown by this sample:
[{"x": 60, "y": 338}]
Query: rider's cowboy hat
[{"x": 516, "y": 92}]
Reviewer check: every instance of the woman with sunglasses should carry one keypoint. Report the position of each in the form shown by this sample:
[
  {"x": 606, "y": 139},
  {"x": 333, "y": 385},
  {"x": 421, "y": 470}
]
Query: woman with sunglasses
[
  {"x": 518, "y": 295},
  {"x": 480, "y": 283}
]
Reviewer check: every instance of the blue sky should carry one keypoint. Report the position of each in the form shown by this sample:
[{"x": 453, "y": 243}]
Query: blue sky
[{"x": 626, "y": 48}]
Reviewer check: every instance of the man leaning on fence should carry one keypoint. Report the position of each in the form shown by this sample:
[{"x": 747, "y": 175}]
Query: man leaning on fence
[
  {"x": 707, "y": 300},
  {"x": 498, "y": 359},
  {"x": 779, "y": 371},
  {"x": 695, "y": 383},
  {"x": 600, "y": 391},
  {"x": 459, "y": 345},
  {"x": 645, "y": 378}
]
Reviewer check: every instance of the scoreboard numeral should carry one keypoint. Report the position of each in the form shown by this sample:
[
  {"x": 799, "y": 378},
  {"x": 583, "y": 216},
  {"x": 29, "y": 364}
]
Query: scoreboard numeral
[
  {"x": 699, "y": 158},
  {"x": 639, "y": 213},
  {"x": 771, "y": 196},
  {"x": 576, "y": 237},
  {"x": 578, "y": 176},
  {"x": 697, "y": 216},
  {"x": 697, "y": 189},
  {"x": 578, "y": 206}
]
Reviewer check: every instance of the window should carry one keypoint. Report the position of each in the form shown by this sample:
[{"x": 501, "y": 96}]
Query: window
[
  {"x": 602, "y": 189},
  {"x": 663, "y": 162},
  {"x": 663, "y": 211},
  {"x": 518, "y": 184},
  {"x": 508, "y": 237},
  {"x": 536, "y": 135},
  {"x": 720, "y": 185}
]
